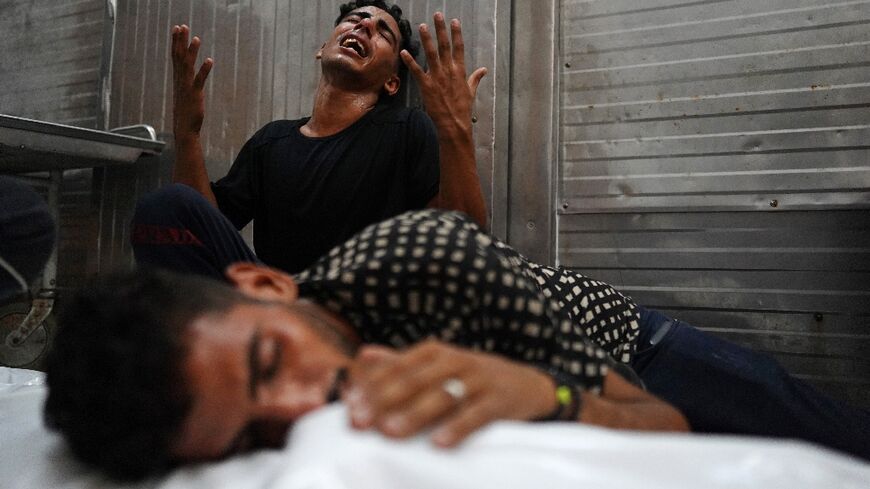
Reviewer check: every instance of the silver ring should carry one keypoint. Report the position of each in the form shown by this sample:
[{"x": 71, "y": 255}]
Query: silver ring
[{"x": 455, "y": 388}]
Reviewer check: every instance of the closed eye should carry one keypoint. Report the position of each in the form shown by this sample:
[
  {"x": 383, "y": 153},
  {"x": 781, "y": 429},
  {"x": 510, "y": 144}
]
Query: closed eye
[
  {"x": 386, "y": 32},
  {"x": 264, "y": 361},
  {"x": 270, "y": 359},
  {"x": 384, "y": 29}
]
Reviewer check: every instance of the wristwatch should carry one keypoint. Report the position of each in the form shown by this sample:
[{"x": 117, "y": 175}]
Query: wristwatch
[{"x": 569, "y": 399}]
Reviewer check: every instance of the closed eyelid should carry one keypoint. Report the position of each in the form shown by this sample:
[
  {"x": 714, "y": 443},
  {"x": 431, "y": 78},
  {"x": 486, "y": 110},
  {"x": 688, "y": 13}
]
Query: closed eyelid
[
  {"x": 355, "y": 17},
  {"x": 271, "y": 366},
  {"x": 384, "y": 27},
  {"x": 254, "y": 363},
  {"x": 382, "y": 24}
]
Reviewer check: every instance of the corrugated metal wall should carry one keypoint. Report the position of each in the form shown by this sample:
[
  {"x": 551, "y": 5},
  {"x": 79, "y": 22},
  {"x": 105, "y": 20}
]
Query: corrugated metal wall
[
  {"x": 265, "y": 67},
  {"x": 51, "y": 59},
  {"x": 715, "y": 164}
]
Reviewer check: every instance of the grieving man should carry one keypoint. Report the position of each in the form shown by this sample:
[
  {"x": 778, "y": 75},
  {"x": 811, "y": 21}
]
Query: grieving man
[
  {"x": 310, "y": 184},
  {"x": 420, "y": 322}
]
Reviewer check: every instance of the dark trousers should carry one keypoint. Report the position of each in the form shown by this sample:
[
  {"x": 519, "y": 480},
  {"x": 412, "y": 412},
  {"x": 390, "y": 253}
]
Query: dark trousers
[
  {"x": 724, "y": 388},
  {"x": 719, "y": 386},
  {"x": 176, "y": 228}
]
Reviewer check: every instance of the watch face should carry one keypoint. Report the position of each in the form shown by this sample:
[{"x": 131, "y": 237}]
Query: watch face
[{"x": 568, "y": 401}]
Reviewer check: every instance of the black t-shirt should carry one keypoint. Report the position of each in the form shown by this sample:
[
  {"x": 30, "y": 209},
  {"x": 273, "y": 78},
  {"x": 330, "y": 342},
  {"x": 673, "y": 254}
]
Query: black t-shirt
[{"x": 307, "y": 195}]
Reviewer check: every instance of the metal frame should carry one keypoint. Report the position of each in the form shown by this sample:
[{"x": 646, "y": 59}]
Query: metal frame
[
  {"x": 106, "y": 58},
  {"x": 36, "y": 147},
  {"x": 533, "y": 129},
  {"x": 501, "y": 124}
]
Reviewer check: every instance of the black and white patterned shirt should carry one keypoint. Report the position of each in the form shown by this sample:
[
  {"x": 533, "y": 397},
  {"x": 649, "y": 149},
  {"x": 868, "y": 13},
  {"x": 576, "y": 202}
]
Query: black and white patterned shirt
[{"x": 437, "y": 274}]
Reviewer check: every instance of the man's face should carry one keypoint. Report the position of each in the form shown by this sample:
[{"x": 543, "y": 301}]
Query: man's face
[
  {"x": 366, "y": 43},
  {"x": 251, "y": 372}
]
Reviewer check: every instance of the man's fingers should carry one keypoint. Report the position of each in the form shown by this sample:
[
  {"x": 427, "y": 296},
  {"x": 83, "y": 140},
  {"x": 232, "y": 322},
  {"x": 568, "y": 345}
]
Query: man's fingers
[
  {"x": 458, "y": 44},
  {"x": 370, "y": 369},
  {"x": 474, "y": 81},
  {"x": 415, "y": 69},
  {"x": 176, "y": 44},
  {"x": 173, "y": 35},
  {"x": 397, "y": 389},
  {"x": 429, "y": 47},
  {"x": 202, "y": 75},
  {"x": 376, "y": 353},
  {"x": 399, "y": 367},
  {"x": 193, "y": 50},
  {"x": 417, "y": 414},
  {"x": 473, "y": 415},
  {"x": 393, "y": 385},
  {"x": 443, "y": 41},
  {"x": 183, "y": 36}
]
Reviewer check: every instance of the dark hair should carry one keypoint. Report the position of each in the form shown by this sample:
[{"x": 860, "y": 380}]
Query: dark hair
[
  {"x": 115, "y": 386},
  {"x": 395, "y": 11}
]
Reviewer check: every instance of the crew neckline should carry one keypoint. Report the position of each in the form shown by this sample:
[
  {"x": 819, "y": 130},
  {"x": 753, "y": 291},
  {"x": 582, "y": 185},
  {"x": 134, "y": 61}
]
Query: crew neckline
[{"x": 304, "y": 120}]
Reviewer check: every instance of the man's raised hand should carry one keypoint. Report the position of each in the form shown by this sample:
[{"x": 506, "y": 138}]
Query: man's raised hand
[
  {"x": 447, "y": 94},
  {"x": 448, "y": 97},
  {"x": 188, "y": 111},
  {"x": 188, "y": 83}
]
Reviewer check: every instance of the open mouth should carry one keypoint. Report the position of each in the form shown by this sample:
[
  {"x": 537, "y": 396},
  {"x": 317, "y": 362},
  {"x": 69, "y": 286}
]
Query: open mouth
[{"x": 355, "y": 45}]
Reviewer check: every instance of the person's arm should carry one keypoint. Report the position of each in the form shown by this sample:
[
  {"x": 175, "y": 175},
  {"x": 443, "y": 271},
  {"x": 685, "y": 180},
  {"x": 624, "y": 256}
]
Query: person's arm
[
  {"x": 189, "y": 112},
  {"x": 622, "y": 405},
  {"x": 403, "y": 393},
  {"x": 448, "y": 98}
]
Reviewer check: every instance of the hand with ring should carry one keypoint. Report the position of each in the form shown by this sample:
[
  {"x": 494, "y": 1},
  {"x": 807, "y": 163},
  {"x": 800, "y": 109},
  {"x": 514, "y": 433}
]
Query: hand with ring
[{"x": 437, "y": 386}]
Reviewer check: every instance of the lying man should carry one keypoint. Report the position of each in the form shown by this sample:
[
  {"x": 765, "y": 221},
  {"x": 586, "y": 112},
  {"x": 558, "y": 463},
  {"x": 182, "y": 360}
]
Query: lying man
[
  {"x": 157, "y": 368},
  {"x": 311, "y": 183}
]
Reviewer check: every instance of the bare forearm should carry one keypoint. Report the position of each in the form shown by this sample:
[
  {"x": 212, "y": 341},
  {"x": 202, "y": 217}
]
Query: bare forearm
[
  {"x": 460, "y": 184},
  {"x": 190, "y": 166},
  {"x": 645, "y": 415},
  {"x": 624, "y": 406}
]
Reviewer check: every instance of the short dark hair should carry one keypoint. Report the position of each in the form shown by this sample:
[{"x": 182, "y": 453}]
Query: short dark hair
[
  {"x": 408, "y": 43},
  {"x": 115, "y": 385}
]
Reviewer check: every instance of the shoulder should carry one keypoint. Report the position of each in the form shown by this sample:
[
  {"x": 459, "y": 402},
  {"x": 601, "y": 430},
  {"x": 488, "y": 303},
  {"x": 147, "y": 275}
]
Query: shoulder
[{"x": 434, "y": 218}]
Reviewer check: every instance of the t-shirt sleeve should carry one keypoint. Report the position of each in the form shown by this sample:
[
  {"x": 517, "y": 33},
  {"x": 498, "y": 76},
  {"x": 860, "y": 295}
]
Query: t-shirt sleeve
[
  {"x": 423, "y": 161},
  {"x": 237, "y": 192}
]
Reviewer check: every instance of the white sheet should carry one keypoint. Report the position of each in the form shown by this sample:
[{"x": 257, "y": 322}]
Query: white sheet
[{"x": 324, "y": 453}]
